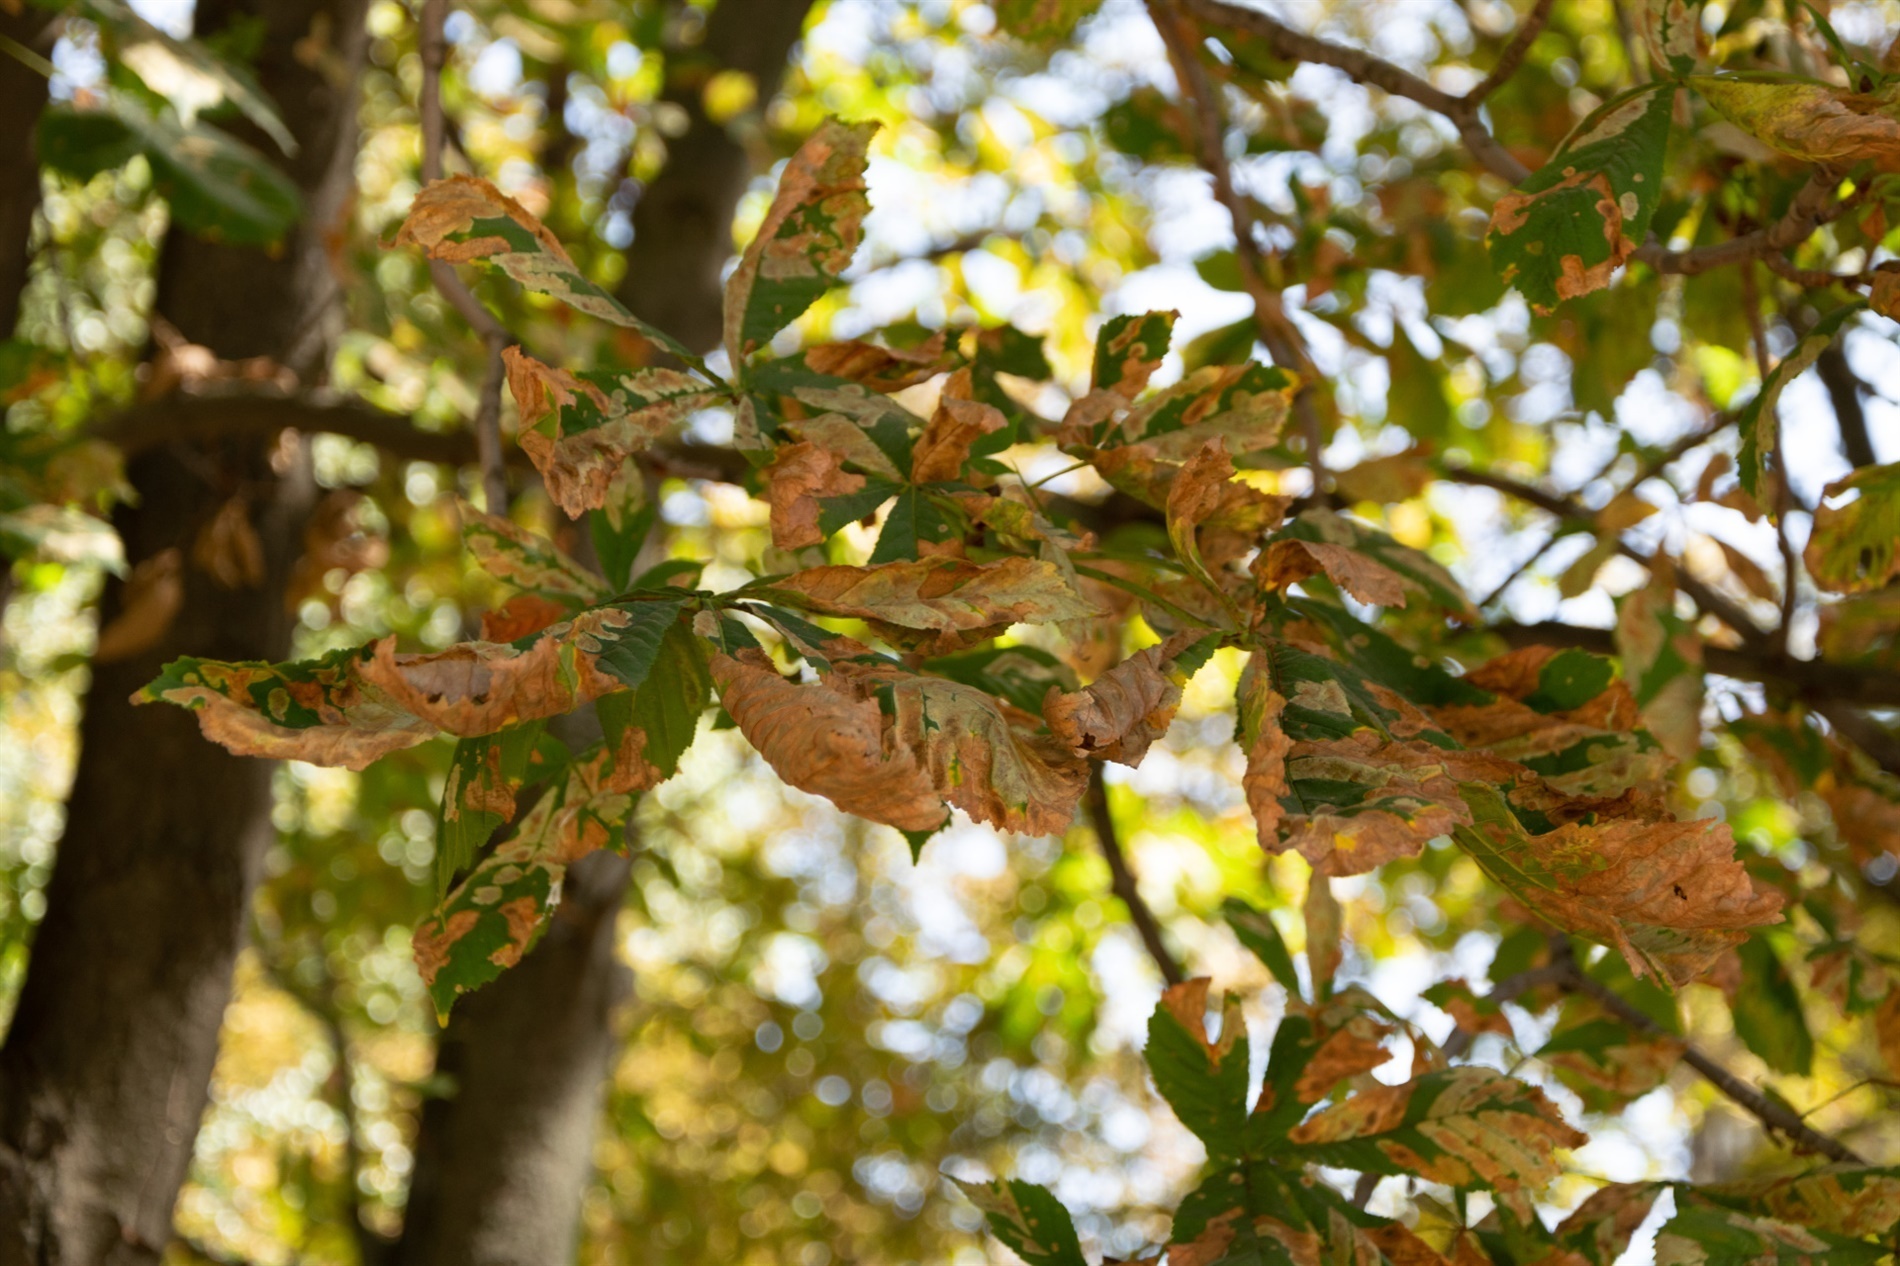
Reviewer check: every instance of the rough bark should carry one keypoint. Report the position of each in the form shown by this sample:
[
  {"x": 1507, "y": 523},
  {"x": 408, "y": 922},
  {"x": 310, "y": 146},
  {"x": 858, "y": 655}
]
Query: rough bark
[
  {"x": 502, "y": 1164},
  {"x": 22, "y": 94},
  {"x": 682, "y": 224},
  {"x": 104, "y": 1074}
]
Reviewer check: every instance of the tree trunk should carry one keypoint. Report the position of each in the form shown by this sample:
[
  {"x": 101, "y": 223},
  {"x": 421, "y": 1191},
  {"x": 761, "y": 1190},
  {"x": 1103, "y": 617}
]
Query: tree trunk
[
  {"x": 502, "y": 1165},
  {"x": 104, "y": 1074},
  {"x": 682, "y": 224},
  {"x": 22, "y": 95}
]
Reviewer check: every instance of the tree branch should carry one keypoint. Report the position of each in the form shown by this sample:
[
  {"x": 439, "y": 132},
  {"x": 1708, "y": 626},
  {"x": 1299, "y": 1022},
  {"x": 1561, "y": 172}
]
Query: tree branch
[
  {"x": 1777, "y": 1117},
  {"x": 1565, "y": 507},
  {"x": 1122, "y": 879},
  {"x": 1364, "y": 67},
  {"x": 1814, "y": 206},
  {"x": 1567, "y": 974},
  {"x": 1514, "y": 53},
  {"x": 1810, "y": 680},
  {"x": 1271, "y": 324},
  {"x": 434, "y": 47},
  {"x": 1844, "y": 389},
  {"x": 252, "y": 410}
]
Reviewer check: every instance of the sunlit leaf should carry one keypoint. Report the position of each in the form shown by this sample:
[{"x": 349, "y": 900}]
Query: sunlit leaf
[
  {"x": 1574, "y": 221},
  {"x": 810, "y": 233}
]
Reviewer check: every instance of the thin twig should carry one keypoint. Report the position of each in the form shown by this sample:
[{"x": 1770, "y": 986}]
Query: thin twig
[
  {"x": 1777, "y": 1117},
  {"x": 1122, "y": 879},
  {"x": 1812, "y": 208},
  {"x": 1271, "y": 323},
  {"x": 1564, "y": 507},
  {"x": 1566, "y": 973},
  {"x": 1514, "y": 53},
  {"x": 434, "y": 48},
  {"x": 1764, "y": 365}
]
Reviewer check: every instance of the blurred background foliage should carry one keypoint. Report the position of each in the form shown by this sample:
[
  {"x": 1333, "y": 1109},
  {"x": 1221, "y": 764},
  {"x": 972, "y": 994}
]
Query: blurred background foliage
[{"x": 818, "y": 1027}]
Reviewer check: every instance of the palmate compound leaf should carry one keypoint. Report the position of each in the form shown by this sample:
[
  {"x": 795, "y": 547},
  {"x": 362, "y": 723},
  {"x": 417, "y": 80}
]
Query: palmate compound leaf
[
  {"x": 579, "y": 429},
  {"x": 465, "y": 220},
  {"x": 1855, "y": 545},
  {"x": 1339, "y": 768},
  {"x": 1464, "y": 1127},
  {"x": 810, "y": 232},
  {"x": 1668, "y": 895},
  {"x": 1573, "y": 222},
  {"x": 1026, "y": 1218},
  {"x": 1552, "y": 791},
  {"x": 492, "y": 916},
  {"x": 894, "y": 746},
  {"x": 352, "y": 707},
  {"x": 1757, "y": 423},
  {"x": 939, "y": 604}
]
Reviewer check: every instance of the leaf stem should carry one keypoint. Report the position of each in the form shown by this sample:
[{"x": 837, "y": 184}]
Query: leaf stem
[
  {"x": 1122, "y": 879},
  {"x": 434, "y": 49}
]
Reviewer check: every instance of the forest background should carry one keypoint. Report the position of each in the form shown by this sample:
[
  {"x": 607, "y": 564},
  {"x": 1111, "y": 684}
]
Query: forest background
[{"x": 1572, "y": 464}]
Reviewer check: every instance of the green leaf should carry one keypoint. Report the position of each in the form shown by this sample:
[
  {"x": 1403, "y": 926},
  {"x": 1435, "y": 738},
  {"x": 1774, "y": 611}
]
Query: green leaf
[
  {"x": 1703, "y": 1234},
  {"x": 1575, "y": 220},
  {"x": 1259, "y": 934},
  {"x": 1568, "y": 680},
  {"x": 352, "y": 707},
  {"x": 463, "y": 220},
  {"x": 1043, "y": 21},
  {"x": 629, "y": 651},
  {"x": 915, "y": 519},
  {"x": 479, "y": 794},
  {"x": 217, "y": 186},
  {"x": 1026, "y": 1218},
  {"x": 1416, "y": 571},
  {"x": 1024, "y": 675},
  {"x": 234, "y": 82},
  {"x": 1204, "y": 1082},
  {"x": 529, "y": 562},
  {"x": 1767, "y": 1010},
  {"x": 1855, "y": 545},
  {"x": 1757, "y": 420},
  {"x": 495, "y": 915},
  {"x": 1128, "y": 350},
  {"x": 1672, "y": 29},
  {"x": 810, "y": 233},
  {"x": 667, "y": 706}
]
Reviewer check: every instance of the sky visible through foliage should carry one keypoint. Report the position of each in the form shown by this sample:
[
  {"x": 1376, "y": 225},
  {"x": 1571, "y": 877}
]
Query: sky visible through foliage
[{"x": 825, "y": 1023}]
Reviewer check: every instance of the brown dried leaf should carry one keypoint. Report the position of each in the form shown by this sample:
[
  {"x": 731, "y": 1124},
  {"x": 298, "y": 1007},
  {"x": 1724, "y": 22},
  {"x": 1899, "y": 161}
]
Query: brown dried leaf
[
  {"x": 830, "y": 743},
  {"x": 1325, "y": 924},
  {"x": 957, "y": 423},
  {"x": 947, "y": 597},
  {"x": 1287, "y": 562},
  {"x": 227, "y": 548},
  {"x": 1130, "y": 706},
  {"x": 1266, "y": 745},
  {"x": 153, "y": 595},
  {"x": 885, "y": 369},
  {"x": 801, "y": 474},
  {"x": 986, "y": 757}
]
